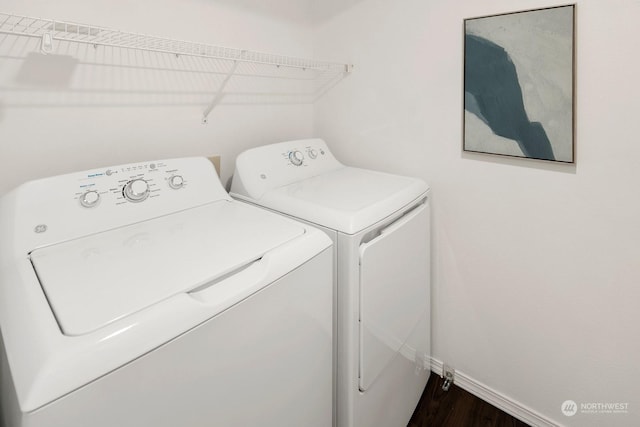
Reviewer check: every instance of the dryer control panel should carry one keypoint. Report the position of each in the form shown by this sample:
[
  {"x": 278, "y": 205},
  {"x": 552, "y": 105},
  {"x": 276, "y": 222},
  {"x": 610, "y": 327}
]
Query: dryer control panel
[
  {"x": 263, "y": 168},
  {"x": 69, "y": 206},
  {"x": 305, "y": 154}
]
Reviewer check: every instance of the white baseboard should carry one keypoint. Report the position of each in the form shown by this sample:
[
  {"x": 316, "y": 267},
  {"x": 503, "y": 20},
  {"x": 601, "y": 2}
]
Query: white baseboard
[{"x": 495, "y": 398}]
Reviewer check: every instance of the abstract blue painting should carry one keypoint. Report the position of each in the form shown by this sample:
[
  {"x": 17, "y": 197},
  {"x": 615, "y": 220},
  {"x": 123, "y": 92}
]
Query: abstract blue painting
[{"x": 519, "y": 84}]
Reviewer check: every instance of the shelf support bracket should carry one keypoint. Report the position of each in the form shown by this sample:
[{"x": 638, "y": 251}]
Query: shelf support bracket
[
  {"x": 46, "y": 46},
  {"x": 220, "y": 93}
]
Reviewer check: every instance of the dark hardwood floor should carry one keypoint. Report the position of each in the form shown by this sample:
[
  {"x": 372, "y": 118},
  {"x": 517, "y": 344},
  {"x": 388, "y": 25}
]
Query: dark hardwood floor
[{"x": 457, "y": 408}]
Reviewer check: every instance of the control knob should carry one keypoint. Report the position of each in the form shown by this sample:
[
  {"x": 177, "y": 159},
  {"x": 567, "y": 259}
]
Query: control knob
[
  {"x": 312, "y": 153},
  {"x": 136, "y": 190},
  {"x": 176, "y": 182},
  {"x": 296, "y": 157},
  {"x": 89, "y": 198}
]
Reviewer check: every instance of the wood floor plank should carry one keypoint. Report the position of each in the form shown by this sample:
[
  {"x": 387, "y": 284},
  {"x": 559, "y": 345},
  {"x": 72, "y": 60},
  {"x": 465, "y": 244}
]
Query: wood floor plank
[{"x": 457, "y": 408}]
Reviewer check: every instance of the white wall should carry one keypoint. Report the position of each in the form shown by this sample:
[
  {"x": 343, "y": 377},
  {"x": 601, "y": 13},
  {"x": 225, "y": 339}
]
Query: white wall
[
  {"x": 536, "y": 281},
  {"x": 58, "y": 116}
]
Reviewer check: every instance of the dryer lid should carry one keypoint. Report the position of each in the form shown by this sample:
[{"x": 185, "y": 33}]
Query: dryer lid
[
  {"x": 92, "y": 281},
  {"x": 346, "y": 199}
]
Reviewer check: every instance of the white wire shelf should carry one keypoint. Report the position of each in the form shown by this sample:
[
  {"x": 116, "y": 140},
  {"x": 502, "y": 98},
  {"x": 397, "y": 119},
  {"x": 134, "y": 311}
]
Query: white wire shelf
[
  {"x": 50, "y": 34},
  {"x": 53, "y": 30}
]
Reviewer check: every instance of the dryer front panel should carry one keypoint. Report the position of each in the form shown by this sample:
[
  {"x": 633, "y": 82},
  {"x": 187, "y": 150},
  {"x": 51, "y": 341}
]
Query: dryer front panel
[{"x": 394, "y": 294}]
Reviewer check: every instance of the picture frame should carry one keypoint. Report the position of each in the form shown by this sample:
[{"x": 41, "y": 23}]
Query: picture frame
[{"x": 519, "y": 84}]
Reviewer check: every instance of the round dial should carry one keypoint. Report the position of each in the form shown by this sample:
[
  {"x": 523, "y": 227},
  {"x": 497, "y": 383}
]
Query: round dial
[
  {"x": 296, "y": 157},
  {"x": 312, "y": 153},
  {"x": 89, "y": 198},
  {"x": 176, "y": 182},
  {"x": 136, "y": 190}
]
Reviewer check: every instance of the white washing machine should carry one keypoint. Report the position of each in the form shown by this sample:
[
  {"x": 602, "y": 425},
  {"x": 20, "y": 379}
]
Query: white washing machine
[
  {"x": 379, "y": 224},
  {"x": 144, "y": 296}
]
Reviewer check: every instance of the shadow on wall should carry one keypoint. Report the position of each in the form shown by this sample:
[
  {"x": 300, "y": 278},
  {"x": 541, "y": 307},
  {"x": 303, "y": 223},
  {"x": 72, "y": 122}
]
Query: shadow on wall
[
  {"x": 494, "y": 95},
  {"x": 85, "y": 75},
  {"x": 52, "y": 71}
]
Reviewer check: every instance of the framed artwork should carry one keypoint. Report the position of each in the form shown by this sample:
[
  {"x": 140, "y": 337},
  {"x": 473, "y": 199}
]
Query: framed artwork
[{"x": 519, "y": 84}]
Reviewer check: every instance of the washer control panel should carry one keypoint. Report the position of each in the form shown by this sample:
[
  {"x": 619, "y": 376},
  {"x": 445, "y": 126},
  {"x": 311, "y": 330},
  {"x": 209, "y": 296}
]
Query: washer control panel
[
  {"x": 68, "y": 206},
  {"x": 135, "y": 183}
]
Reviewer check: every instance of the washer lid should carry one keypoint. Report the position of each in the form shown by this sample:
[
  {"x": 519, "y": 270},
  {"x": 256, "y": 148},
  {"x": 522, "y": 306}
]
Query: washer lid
[
  {"x": 92, "y": 281},
  {"x": 346, "y": 199}
]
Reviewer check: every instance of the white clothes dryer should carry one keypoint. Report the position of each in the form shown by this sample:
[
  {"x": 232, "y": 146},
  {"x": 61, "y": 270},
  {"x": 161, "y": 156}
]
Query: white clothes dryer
[
  {"x": 379, "y": 224},
  {"x": 144, "y": 296}
]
